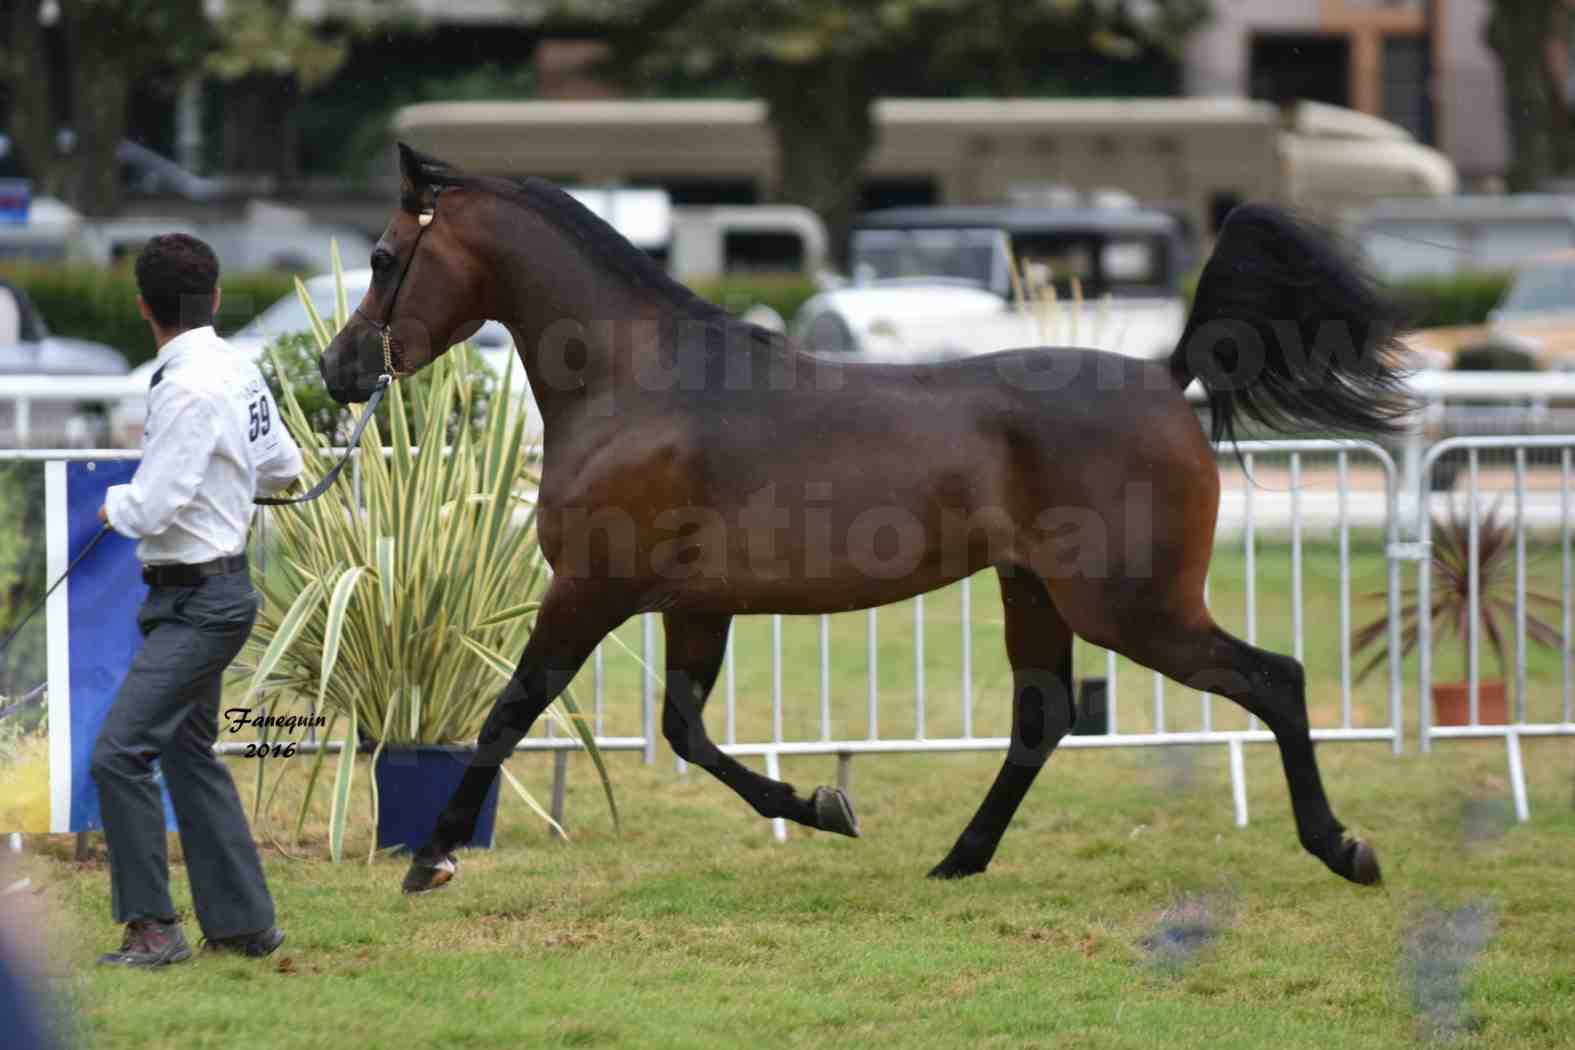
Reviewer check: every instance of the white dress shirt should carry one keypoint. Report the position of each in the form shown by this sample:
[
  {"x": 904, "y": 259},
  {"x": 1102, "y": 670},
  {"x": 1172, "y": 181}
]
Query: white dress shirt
[{"x": 213, "y": 441}]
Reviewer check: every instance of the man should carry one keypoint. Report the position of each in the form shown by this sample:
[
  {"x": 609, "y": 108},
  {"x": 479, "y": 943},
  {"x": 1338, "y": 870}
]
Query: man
[{"x": 212, "y": 442}]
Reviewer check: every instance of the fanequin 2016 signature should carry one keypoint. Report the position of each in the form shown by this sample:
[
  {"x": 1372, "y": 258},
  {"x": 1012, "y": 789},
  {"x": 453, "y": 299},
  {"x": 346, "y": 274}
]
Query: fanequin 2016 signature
[{"x": 241, "y": 717}]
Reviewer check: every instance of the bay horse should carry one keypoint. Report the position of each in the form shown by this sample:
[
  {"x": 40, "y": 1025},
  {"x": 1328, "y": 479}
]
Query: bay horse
[{"x": 704, "y": 468}]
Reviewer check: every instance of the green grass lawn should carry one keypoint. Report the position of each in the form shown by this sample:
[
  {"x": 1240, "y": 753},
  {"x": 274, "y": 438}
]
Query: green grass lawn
[{"x": 694, "y": 928}]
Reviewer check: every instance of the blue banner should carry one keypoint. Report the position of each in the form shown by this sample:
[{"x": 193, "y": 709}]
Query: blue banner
[{"x": 104, "y": 593}]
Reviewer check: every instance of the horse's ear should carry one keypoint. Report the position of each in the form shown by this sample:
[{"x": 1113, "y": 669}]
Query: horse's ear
[
  {"x": 412, "y": 176},
  {"x": 420, "y": 179}
]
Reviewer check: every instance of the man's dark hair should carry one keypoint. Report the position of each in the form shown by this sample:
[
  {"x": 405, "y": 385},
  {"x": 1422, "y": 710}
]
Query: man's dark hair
[{"x": 176, "y": 275}]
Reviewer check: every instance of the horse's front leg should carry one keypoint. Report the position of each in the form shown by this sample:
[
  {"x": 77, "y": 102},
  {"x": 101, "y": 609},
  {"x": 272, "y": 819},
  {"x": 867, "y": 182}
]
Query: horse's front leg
[
  {"x": 695, "y": 647},
  {"x": 575, "y": 615}
]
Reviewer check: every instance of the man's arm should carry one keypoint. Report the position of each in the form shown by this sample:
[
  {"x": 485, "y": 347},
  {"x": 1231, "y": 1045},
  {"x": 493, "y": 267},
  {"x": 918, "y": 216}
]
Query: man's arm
[
  {"x": 281, "y": 461},
  {"x": 174, "y": 459}
]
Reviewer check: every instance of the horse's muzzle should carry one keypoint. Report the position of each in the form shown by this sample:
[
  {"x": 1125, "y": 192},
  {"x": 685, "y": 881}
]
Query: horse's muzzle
[{"x": 352, "y": 363}]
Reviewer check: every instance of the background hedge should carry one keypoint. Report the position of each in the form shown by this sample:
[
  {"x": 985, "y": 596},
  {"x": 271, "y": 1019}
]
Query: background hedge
[
  {"x": 1459, "y": 299},
  {"x": 87, "y": 302}
]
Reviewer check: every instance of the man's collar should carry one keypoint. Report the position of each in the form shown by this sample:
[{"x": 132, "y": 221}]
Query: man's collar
[{"x": 190, "y": 337}]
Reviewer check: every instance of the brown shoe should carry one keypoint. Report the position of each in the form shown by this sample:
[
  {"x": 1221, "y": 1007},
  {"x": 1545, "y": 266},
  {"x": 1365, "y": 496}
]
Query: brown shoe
[{"x": 149, "y": 942}]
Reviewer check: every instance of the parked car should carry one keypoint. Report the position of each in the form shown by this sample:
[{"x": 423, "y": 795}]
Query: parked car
[
  {"x": 26, "y": 345},
  {"x": 48, "y": 233},
  {"x": 745, "y": 239},
  {"x": 938, "y": 282},
  {"x": 702, "y": 242},
  {"x": 45, "y": 379},
  {"x": 288, "y": 315},
  {"x": 1536, "y": 319}
]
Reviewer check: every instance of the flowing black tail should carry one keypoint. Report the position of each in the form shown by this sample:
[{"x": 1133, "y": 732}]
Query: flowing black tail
[{"x": 1289, "y": 331}]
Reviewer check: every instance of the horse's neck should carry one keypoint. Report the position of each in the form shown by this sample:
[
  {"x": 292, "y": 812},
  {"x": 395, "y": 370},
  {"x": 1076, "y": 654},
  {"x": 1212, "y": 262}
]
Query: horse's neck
[
  {"x": 579, "y": 354},
  {"x": 591, "y": 339}
]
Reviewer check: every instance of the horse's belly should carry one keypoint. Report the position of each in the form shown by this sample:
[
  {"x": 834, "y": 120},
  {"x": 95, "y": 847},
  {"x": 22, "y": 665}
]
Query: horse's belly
[{"x": 788, "y": 595}]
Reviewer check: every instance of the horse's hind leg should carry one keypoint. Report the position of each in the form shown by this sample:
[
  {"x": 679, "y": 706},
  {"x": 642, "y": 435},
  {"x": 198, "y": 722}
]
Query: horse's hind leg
[
  {"x": 695, "y": 646},
  {"x": 1039, "y": 646},
  {"x": 1272, "y": 687}
]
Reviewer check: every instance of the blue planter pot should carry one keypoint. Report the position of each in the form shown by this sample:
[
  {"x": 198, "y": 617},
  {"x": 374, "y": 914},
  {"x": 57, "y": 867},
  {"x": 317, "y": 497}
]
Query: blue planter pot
[{"x": 413, "y": 786}]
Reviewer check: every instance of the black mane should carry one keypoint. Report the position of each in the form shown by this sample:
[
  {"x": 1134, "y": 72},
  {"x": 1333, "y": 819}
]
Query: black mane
[{"x": 579, "y": 223}]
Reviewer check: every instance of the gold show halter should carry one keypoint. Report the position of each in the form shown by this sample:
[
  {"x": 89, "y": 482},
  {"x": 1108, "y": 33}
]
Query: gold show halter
[
  {"x": 391, "y": 372},
  {"x": 385, "y": 327}
]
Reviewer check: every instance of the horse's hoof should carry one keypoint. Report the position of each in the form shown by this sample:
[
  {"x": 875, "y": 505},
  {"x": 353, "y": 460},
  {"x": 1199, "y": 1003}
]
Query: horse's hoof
[
  {"x": 951, "y": 868},
  {"x": 833, "y": 812},
  {"x": 1364, "y": 865},
  {"x": 428, "y": 874}
]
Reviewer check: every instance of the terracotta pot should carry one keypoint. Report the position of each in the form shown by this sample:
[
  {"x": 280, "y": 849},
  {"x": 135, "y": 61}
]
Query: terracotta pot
[{"x": 1452, "y": 703}]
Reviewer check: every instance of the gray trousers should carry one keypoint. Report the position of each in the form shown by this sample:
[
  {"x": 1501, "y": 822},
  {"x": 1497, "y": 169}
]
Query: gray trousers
[{"x": 168, "y": 708}]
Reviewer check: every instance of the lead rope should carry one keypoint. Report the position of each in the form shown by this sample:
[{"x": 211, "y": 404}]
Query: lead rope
[{"x": 52, "y": 587}]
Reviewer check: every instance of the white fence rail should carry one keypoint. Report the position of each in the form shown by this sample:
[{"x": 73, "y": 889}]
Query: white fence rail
[{"x": 49, "y": 408}]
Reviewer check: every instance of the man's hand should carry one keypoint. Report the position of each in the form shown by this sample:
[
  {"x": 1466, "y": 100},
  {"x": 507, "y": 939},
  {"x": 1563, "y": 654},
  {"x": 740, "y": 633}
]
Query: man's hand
[{"x": 103, "y": 515}]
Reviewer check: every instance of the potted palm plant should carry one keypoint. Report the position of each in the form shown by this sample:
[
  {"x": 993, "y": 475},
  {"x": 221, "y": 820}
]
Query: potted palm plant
[
  {"x": 1450, "y": 600},
  {"x": 400, "y": 614}
]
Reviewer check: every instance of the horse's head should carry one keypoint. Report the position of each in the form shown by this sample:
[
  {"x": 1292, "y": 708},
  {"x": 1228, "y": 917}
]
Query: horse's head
[{"x": 425, "y": 294}]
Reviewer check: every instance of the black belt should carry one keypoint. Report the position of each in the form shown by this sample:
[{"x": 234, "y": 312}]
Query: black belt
[{"x": 192, "y": 575}]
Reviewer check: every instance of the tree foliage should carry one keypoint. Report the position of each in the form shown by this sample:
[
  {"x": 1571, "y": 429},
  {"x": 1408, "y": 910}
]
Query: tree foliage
[
  {"x": 68, "y": 68},
  {"x": 264, "y": 37},
  {"x": 106, "y": 47},
  {"x": 819, "y": 65}
]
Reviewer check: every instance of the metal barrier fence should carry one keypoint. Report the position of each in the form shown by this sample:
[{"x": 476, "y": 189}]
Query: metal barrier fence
[
  {"x": 1536, "y": 509},
  {"x": 1290, "y": 490}
]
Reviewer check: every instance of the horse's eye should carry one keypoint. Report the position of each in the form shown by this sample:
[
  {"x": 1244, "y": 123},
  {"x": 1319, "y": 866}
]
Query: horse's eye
[{"x": 381, "y": 260}]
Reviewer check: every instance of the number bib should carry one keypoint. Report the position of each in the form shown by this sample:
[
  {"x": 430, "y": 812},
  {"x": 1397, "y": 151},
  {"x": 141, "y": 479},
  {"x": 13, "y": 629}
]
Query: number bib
[{"x": 262, "y": 428}]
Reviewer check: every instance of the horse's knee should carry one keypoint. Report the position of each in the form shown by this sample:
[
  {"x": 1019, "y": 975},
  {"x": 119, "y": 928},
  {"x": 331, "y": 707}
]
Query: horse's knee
[
  {"x": 1279, "y": 684},
  {"x": 675, "y": 728},
  {"x": 511, "y": 717},
  {"x": 1044, "y": 715},
  {"x": 1270, "y": 685},
  {"x": 1279, "y": 675},
  {"x": 501, "y": 719},
  {"x": 686, "y": 735}
]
